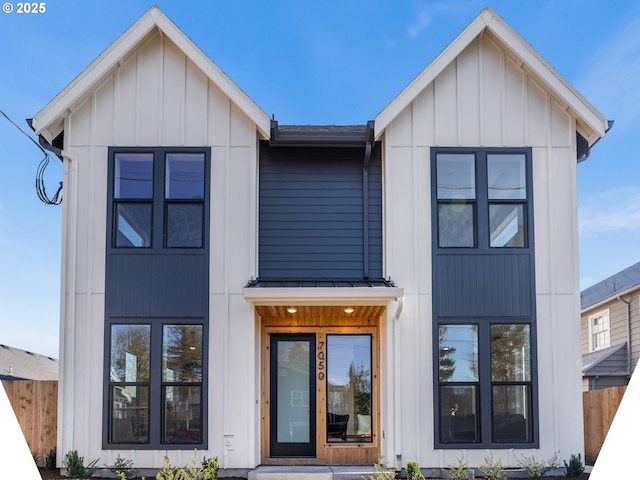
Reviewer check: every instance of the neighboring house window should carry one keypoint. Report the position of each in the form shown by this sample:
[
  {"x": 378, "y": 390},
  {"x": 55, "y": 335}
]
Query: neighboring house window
[
  {"x": 485, "y": 383},
  {"x": 482, "y": 199},
  {"x": 159, "y": 197},
  {"x": 599, "y": 331},
  {"x": 156, "y": 391}
]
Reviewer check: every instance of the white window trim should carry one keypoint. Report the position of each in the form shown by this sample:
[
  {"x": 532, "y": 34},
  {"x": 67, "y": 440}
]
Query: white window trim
[{"x": 606, "y": 316}]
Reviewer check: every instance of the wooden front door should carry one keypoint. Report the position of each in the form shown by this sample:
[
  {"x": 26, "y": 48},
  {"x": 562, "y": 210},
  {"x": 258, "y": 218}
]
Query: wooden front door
[{"x": 321, "y": 392}]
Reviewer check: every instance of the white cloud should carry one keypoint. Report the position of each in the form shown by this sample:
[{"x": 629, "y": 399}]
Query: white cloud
[
  {"x": 421, "y": 21},
  {"x": 611, "y": 210}
]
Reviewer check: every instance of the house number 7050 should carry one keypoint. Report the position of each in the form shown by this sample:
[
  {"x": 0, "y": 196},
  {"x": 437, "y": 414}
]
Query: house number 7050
[{"x": 321, "y": 358}]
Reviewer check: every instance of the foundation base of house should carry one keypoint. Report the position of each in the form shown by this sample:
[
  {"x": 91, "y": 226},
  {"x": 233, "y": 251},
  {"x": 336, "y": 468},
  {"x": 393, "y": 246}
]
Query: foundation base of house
[{"x": 311, "y": 472}]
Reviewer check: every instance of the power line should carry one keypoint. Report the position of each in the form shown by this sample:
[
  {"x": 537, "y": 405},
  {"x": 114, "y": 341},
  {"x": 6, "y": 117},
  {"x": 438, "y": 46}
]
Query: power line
[{"x": 40, "y": 189}]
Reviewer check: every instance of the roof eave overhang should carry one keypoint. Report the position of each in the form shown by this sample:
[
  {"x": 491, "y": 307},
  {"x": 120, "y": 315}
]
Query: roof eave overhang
[
  {"x": 590, "y": 123},
  {"x": 611, "y": 298},
  {"x": 323, "y": 296},
  {"x": 48, "y": 120}
]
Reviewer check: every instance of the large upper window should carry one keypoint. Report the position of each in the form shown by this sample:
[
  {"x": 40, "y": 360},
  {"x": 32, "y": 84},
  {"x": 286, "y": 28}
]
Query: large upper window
[
  {"x": 482, "y": 198},
  {"x": 159, "y": 197},
  {"x": 155, "y": 393},
  {"x": 485, "y": 383}
]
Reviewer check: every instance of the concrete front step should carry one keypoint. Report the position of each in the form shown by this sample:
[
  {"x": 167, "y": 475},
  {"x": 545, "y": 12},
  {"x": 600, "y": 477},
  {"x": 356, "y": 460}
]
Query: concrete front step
[{"x": 311, "y": 472}]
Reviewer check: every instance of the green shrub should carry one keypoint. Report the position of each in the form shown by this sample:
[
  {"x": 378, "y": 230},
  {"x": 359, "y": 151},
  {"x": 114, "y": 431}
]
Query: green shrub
[
  {"x": 574, "y": 468},
  {"x": 459, "y": 470},
  {"x": 382, "y": 471},
  {"x": 75, "y": 466},
  {"x": 167, "y": 472},
  {"x": 211, "y": 465},
  {"x": 123, "y": 468},
  {"x": 50, "y": 459},
  {"x": 536, "y": 469},
  {"x": 413, "y": 470},
  {"x": 491, "y": 468}
]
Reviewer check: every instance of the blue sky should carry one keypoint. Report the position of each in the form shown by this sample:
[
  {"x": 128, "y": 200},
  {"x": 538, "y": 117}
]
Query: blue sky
[{"x": 330, "y": 62}]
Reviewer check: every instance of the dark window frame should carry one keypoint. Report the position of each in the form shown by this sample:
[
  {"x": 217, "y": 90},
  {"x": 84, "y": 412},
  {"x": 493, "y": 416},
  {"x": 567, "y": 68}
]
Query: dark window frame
[
  {"x": 482, "y": 202},
  {"x": 156, "y": 385},
  {"x": 159, "y": 201}
]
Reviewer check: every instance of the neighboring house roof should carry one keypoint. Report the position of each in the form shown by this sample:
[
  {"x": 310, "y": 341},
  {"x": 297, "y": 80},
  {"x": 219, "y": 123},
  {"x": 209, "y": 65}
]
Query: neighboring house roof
[
  {"x": 17, "y": 364},
  {"x": 593, "y": 360},
  {"x": 610, "y": 287},
  {"x": 48, "y": 121},
  {"x": 591, "y": 124}
]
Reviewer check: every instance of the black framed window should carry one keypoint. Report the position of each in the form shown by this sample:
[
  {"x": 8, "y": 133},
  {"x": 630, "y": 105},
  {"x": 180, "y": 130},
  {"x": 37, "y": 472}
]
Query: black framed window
[
  {"x": 483, "y": 198},
  {"x": 155, "y": 384},
  {"x": 485, "y": 386},
  {"x": 159, "y": 197}
]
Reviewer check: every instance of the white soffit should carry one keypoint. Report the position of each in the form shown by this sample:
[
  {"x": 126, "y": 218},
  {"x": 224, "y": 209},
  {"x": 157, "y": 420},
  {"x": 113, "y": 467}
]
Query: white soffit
[
  {"x": 591, "y": 123},
  {"x": 94, "y": 74},
  {"x": 322, "y": 296}
]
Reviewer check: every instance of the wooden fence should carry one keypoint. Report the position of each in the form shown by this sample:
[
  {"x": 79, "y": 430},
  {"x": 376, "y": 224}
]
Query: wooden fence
[
  {"x": 600, "y": 407},
  {"x": 35, "y": 404}
]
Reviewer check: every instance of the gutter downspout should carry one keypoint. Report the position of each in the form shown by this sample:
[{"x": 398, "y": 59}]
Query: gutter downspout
[
  {"x": 66, "y": 404},
  {"x": 628, "y": 328},
  {"x": 368, "y": 148}
]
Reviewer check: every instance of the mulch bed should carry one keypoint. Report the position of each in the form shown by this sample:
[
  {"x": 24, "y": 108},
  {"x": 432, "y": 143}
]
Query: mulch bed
[{"x": 55, "y": 475}]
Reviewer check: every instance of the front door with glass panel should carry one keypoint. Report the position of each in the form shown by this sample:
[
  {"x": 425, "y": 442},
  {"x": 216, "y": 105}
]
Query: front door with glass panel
[{"x": 293, "y": 400}]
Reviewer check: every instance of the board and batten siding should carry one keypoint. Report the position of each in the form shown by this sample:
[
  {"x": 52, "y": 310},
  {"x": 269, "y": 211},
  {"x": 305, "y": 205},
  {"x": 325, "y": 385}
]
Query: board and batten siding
[
  {"x": 484, "y": 98},
  {"x": 156, "y": 96},
  {"x": 311, "y": 213}
]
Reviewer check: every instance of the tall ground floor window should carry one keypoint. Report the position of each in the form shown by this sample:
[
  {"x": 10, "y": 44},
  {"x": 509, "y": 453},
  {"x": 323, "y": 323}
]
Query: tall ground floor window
[
  {"x": 485, "y": 384},
  {"x": 155, "y": 384}
]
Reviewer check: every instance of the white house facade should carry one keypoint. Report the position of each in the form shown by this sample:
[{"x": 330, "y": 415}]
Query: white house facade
[{"x": 286, "y": 295}]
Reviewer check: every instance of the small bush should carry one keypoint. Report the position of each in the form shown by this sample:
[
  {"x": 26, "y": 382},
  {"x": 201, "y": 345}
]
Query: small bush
[
  {"x": 574, "y": 468},
  {"x": 459, "y": 470},
  {"x": 413, "y": 470},
  {"x": 536, "y": 469},
  {"x": 491, "y": 468},
  {"x": 211, "y": 465},
  {"x": 167, "y": 472},
  {"x": 382, "y": 471},
  {"x": 50, "y": 459},
  {"x": 123, "y": 468},
  {"x": 75, "y": 466}
]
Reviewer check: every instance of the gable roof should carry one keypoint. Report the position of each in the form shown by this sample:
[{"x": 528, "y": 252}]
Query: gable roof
[
  {"x": 591, "y": 124},
  {"x": 611, "y": 287},
  {"x": 17, "y": 364},
  {"x": 49, "y": 117}
]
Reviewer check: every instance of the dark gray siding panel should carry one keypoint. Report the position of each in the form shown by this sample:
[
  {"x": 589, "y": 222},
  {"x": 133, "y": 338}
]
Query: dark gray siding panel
[
  {"x": 483, "y": 285},
  {"x": 311, "y": 213},
  {"x": 157, "y": 286}
]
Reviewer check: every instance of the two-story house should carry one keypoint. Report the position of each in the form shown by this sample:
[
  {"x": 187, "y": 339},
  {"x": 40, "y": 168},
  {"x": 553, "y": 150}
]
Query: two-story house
[
  {"x": 288, "y": 295},
  {"x": 610, "y": 320}
]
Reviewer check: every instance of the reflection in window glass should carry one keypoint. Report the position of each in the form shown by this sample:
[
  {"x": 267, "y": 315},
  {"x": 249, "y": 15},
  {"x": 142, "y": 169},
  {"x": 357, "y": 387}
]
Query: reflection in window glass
[
  {"x": 184, "y": 177},
  {"x": 456, "y": 225},
  {"x": 511, "y": 414},
  {"x": 456, "y": 176},
  {"x": 133, "y": 175},
  {"x": 458, "y": 353},
  {"x": 510, "y": 353},
  {"x": 293, "y": 424},
  {"x": 459, "y": 422},
  {"x": 182, "y": 414},
  {"x": 133, "y": 225},
  {"x": 506, "y": 176},
  {"x": 506, "y": 225},
  {"x": 130, "y": 347},
  {"x": 182, "y": 353},
  {"x": 184, "y": 225},
  {"x": 129, "y": 422},
  {"x": 349, "y": 388}
]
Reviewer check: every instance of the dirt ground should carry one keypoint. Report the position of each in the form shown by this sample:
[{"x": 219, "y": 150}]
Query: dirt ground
[{"x": 55, "y": 475}]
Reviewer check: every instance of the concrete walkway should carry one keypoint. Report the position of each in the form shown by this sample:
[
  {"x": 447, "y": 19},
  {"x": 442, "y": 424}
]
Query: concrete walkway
[{"x": 311, "y": 472}]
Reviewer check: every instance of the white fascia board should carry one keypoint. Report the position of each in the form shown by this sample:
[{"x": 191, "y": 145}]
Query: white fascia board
[
  {"x": 90, "y": 77},
  {"x": 323, "y": 296},
  {"x": 586, "y": 113}
]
